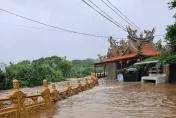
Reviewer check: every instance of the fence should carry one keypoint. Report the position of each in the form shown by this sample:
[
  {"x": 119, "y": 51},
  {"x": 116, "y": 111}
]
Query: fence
[
  {"x": 21, "y": 105},
  {"x": 101, "y": 75}
]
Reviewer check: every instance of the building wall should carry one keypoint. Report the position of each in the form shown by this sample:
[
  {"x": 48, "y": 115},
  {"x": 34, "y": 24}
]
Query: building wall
[{"x": 111, "y": 69}]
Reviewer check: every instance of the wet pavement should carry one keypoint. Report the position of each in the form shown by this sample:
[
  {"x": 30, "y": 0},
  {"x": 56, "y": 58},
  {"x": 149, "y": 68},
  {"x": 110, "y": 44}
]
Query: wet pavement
[{"x": 112, "y": 99}]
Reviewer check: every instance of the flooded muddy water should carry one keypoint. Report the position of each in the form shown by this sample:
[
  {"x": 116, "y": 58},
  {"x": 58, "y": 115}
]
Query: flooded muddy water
[
  {"x": 112, "y": 99},
  {"x": 36, "y": 89}
]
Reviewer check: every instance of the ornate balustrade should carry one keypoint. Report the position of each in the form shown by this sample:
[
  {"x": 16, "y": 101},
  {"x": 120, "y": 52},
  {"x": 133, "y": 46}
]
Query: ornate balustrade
[
  {"x": 20, "y": 105},
  {"x": 101, "y": 75}
]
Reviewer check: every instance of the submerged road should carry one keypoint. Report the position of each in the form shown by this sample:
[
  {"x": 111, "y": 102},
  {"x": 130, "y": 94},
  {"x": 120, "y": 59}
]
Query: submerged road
[{"x": 112, "y": 99}]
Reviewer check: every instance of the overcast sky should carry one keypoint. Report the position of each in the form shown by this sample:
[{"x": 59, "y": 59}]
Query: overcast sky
[{"x": 19, "y": 43}]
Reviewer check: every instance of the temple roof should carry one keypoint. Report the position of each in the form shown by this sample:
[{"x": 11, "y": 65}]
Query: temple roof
[
  {"x": 148, "y": 50},
  {"x": 129, "y": 56},
  {"x": 132, "y": 48}
]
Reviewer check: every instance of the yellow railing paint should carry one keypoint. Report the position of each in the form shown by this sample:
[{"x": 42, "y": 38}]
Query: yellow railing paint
[{"x": 17, "y": 108}]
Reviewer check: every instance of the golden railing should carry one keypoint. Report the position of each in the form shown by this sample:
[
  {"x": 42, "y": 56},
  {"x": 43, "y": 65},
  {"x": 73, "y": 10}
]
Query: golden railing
[{"x": 15, "y": 105}]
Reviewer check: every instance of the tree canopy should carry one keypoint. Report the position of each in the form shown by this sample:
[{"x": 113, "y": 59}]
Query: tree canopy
[
  {"x": 54, "y": 69},
  {"x": 171, "y": 29},
  {"x": 172, "y": 4}
]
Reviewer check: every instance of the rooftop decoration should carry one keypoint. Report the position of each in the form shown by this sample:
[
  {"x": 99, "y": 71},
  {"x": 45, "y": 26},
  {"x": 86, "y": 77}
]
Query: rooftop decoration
[
  {"x": 101, "y": 57},
  {"x": 132, "y": 34},
  {"x": 135, "y": 47}
]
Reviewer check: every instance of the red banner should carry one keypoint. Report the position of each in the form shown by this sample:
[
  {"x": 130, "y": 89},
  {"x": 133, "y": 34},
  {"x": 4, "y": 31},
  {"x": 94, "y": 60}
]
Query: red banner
[{"x": 166, "y": 70}]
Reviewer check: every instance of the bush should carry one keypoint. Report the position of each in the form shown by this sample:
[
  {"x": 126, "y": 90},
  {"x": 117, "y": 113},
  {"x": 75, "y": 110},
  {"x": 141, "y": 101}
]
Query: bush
[
  {"x": 53, "y": 69},
  {"x": 171, "y": 58},
  {"x": 82, "y": 68},
  {"x": 57, "y": 77}
]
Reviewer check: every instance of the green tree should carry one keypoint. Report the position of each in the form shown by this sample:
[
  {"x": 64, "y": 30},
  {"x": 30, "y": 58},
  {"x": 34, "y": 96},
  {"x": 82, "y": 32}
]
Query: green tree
[
  {"x": 82, "y": 68},
  {"x": 171, "y": 29},
  {"x": 172, "y": 4},
  {"x": 171, "y": 36},
  {"x": 25, "y": 62},
  {"x": 54, "y": 68},
  {"x": 65, "y": 67},
  {"x": 32, "y": 73}
]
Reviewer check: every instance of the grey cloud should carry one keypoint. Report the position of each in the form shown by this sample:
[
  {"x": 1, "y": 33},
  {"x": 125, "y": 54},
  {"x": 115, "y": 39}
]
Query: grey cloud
[{"x": 19, "y": 43}]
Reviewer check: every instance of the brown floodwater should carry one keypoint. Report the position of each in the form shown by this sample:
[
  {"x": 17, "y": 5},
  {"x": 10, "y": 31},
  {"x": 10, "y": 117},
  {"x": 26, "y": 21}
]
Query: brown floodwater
[
  {"x": 113, "y": 99},
  {"x": 36, "y": 89}
]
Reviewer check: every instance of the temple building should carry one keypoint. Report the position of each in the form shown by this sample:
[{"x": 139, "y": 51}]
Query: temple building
[{"x": 124, "y": 53}]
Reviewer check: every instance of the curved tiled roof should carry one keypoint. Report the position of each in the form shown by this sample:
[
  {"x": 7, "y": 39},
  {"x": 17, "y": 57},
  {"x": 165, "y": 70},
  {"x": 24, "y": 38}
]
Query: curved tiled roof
[
  {"x": 130, "y": 48},
  {"x": 149, "y": 50},
  {"x": 119, "y": 58}
]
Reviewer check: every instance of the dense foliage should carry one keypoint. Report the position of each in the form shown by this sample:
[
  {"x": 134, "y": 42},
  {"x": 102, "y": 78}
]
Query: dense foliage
[
  {"x": 171, "y": 36},
  {"x": 54, "y": 69},
  {"x": 171, "y": 29},
  {"x": 172, "y": 4},
  {"x": 82, "y": 68},
  {"x": 159, "y": 57}
]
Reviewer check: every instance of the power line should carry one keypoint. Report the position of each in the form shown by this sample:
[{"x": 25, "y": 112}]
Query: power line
[
  {"x": 66, "y": 30},
  {"x": 123, "y": 14},
  {"x": 117, "y": 13},
  {"x": 106, "y": 14},
  {"x": 154, "y": 36},
  {"x": 103, "y": 15},
  {"x": 56, "y": 27},
  {"x": 27, "y": 26},
  {"x": 38, "y": 28},
  {"x": 161, "y": 34},
  {"x": 24, "y": 26}
]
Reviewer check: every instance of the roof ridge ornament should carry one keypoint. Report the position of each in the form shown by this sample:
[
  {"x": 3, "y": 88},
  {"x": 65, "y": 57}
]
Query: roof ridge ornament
[{"x": 132, "y": 34}]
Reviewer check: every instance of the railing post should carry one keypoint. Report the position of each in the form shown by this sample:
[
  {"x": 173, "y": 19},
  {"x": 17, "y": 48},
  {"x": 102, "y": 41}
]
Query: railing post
[
  {"x": 17, "y": 98},
  {"x": 95, "y": 79},
  {"x": 92, "y": 82},
  {"x": 54, "y": 93},
  {"x": 46, "y": 94},
  {"x": 68, "y": 88},
  {"x": 79, "y": 86},
  {"x": 86, "y": 83}
]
